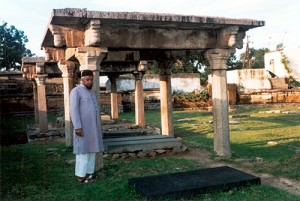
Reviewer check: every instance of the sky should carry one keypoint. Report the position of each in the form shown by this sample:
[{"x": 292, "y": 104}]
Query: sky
[{"x": 281, "y": 16}]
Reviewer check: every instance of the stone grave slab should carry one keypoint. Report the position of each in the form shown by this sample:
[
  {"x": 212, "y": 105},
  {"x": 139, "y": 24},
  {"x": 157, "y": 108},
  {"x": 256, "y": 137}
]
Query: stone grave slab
[{"x": 185, "y": 184}]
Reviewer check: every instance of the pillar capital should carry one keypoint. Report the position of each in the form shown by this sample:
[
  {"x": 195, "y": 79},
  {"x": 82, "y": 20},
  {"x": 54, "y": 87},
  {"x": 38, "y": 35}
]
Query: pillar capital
[
  {"x": 40, "y": 68},
  {"x": 112, "y": 76},
  {"x": 138, "y": 75},
  {"x": 41, "y": 79},
  {"x": 67, "y": 68},
  {"x": 92, "y": 33},
  {"x": 58, "y": 35},
  {"x": 165, "y": 67},
  {"x": 90, "y": 57},
  {"x": 217, "y": 58}
]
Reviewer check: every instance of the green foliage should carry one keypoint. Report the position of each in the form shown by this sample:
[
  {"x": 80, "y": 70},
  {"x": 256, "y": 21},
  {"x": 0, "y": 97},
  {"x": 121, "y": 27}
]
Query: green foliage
[
  {"x": 256, "y": 57},
  {"x": 194, "y": 96},
  {"x": 30, "y": 172},
  {"x": 279, "y": 46},
  {"x": 234, "y": 63},
  {"x": 12, "y": 46}
]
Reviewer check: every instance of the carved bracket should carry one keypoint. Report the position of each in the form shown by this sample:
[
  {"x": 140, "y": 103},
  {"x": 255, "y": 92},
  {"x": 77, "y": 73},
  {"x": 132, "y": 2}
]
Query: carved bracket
[
  {"x": 58, "y": 35},
  {"x": 230, "y": 37},
  {"x": 143, "y": 66},
  {"x": 92, "y": 33}
]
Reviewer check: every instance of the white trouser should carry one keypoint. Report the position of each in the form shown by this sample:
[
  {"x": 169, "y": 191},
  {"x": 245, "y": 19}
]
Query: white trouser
[{"x": 85, "y": 164}]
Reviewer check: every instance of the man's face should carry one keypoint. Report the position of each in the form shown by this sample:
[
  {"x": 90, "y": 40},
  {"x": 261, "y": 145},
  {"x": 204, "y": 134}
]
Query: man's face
[{"x": 87, "y": 81}]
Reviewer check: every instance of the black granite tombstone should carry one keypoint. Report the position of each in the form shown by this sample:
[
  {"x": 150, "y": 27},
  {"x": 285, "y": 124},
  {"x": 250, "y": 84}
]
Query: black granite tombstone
[{"x": 185, "y": 184}]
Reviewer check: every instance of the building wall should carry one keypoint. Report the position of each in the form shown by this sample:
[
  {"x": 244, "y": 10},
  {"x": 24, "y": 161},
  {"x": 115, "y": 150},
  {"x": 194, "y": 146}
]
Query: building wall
[
  {"x": 248, "y": 79},
  {"x": 273, "y": 63},
  {"x": 180, "y": 82}
]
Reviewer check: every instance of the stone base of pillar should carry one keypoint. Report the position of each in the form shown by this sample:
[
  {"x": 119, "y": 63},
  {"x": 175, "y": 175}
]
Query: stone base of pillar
[{"x": 99, "y": 161}]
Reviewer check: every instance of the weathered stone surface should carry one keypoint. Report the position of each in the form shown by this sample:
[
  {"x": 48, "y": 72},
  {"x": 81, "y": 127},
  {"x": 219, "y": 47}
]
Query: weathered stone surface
[
  {"x": 147, "y": 151},
  {"x": 52, "y": 149},
  {"x": 177, "y": 150},
  {"x": 184, "y": 148},
  {"x": 140, "y": 30},
  {"x": 137, "y": 143},
  {"x": 160, "y": 151},
  {"x": 106, "y": 155},
  {"x": 124, "y": 155},
  {"x": 132, "y": 155},
  {"x": 240, "y": 116},
  {"x": 272, "y": 143},
  {"x": 141, "y": 154},
  {"x": 71, "y": 162},
  {"x": 114, "y": 156},
  {"x": 152, "y": 154}
]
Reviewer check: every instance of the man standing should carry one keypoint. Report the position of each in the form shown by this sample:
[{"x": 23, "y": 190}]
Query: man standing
[{"x": 85, "y": 117}]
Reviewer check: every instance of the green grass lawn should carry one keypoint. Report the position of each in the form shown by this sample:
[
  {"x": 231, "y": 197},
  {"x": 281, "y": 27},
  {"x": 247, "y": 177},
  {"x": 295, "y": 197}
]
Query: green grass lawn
[
  {"x": 249, "y": 139},
  {"x": 30, "y": 172}
]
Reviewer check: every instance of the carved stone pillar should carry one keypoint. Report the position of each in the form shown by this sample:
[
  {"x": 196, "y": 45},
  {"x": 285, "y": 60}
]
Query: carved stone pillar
[
  {"x": 67, "y": 68},
  {"x": 139, "y": 99},
  {"x": 42, "y": 103},
  {"x": 90, "y": 59},
  {"x": 166, "y": 99},
  {"x": 114, "y": 97},
  {"x": 218, "y": 65},
  {"x": 35, "y": 101}
]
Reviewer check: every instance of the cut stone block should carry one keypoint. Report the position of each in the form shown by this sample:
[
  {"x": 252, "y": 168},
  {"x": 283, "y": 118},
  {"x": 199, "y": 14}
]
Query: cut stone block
[
  {"x": 185, "y": 184},
  {"x": 137, "y": 143}
]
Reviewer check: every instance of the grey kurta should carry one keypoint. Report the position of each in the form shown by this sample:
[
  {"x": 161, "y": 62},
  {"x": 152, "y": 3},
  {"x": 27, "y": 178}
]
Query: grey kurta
[{"x": 85, "y": 114}]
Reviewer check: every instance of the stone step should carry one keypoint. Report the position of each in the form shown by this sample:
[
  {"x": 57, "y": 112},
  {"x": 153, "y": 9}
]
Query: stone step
[{"x": 137, "y": 143}]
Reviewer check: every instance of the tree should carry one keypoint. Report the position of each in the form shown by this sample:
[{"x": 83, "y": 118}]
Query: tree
[
  {"x": 12, "y": 47},
  {"x": 234, "y": 63},
  {"x": 256, "y": 57},
  {"x": 279, "y": 46}
]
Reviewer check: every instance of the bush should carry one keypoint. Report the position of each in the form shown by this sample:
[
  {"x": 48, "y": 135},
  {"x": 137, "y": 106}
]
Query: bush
[{"x": 194, "y": 96}]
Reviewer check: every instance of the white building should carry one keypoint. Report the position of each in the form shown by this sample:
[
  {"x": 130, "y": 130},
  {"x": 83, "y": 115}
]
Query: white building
[{"x": 273, "y": 63}]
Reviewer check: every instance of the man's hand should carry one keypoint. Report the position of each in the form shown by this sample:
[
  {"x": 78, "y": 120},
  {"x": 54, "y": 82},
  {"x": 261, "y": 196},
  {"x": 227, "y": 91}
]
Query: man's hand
[{"x": 79, "y": 132}]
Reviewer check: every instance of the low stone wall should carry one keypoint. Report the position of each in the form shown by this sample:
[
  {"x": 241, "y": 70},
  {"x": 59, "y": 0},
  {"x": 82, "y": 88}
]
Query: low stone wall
[
  {"x": 16, "y": 96},
  {"x": 270, "y": 96}
]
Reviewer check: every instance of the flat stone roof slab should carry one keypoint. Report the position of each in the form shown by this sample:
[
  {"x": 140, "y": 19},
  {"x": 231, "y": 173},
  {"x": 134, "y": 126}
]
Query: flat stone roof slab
[
  {"x": 138, "y": 30},
  {"x": 185, "y": 184},
  {"x": 70, "y": 16}
]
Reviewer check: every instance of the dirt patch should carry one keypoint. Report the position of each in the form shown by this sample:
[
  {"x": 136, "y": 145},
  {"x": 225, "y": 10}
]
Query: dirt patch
[{"x": 203, "y": 157}]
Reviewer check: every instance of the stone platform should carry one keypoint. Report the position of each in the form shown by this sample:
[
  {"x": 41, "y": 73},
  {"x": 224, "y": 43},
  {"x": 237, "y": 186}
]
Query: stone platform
[
  {"x": 185, "y": 184},
  {"x": 137, "y": 143}
]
